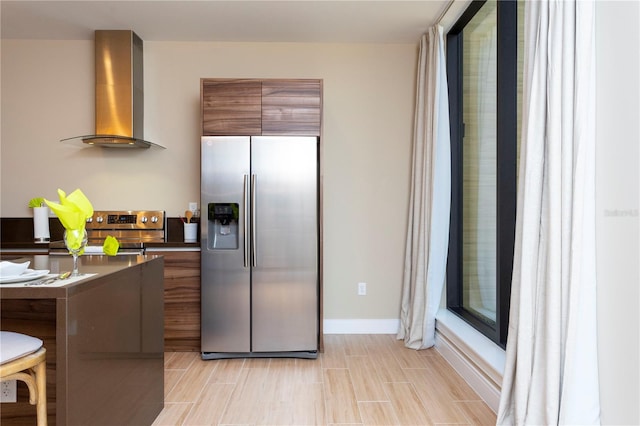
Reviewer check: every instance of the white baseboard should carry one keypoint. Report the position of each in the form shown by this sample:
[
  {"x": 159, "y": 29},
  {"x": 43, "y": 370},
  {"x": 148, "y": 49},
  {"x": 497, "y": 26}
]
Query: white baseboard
[
  {"x": 479, "y": 361},
  {"x": 361, "y": 326}
]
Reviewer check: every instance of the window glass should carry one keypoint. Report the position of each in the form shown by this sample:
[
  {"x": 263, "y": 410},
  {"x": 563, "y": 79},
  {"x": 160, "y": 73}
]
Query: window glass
[
  {"x": 479, "y": 174},
  {"x": 484, "y": 72}
]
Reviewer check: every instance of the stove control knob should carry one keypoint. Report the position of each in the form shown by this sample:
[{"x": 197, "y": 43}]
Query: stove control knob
[
  {"x": 154, "y": 219},
  {"x": 143, "y": 219},
  {"x": 99, "y": 219}
]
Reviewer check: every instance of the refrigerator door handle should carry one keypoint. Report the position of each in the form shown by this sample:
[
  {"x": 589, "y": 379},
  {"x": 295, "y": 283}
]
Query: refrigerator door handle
[
  {"x": 245, "y": 219},
  {"x": 253, "y": 220}
]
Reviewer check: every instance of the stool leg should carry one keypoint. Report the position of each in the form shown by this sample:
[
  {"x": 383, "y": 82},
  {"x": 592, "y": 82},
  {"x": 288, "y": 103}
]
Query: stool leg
[{"x": 41, "y": 384}]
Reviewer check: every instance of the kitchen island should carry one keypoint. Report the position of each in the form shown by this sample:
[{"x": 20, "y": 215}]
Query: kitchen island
[{"x": 104, "y": 340}]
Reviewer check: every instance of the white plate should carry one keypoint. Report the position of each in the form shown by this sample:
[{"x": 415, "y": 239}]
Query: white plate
[{"x": 28, "y": 275}]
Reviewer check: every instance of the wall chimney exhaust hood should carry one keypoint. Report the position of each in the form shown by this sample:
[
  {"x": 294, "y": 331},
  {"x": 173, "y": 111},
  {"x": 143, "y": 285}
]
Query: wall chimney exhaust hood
[{"x": 119, "y": 92}]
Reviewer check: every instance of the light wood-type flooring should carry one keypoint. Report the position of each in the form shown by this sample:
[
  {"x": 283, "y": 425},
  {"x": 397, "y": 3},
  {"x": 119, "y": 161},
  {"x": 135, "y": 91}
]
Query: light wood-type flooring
[{"x": 358, "y": 380}]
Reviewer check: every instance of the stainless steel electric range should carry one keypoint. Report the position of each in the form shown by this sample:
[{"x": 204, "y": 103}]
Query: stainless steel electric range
[{"x": 132, "y": 229}]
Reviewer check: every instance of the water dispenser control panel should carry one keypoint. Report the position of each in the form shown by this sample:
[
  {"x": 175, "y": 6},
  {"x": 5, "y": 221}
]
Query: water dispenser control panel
[{"x": 223, "y": 225}]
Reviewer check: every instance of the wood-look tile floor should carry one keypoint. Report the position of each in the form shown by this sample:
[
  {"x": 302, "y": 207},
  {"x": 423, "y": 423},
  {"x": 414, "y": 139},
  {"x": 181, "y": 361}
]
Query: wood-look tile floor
[{"x": 358, "y": 380}]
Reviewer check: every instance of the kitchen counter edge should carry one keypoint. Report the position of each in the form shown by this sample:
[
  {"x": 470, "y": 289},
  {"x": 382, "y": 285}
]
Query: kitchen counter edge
[
  {"x": 31, "y": 245},
  {"x": 102, "y": 267}
]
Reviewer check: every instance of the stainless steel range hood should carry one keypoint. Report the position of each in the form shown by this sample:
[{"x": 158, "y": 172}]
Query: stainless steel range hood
[{"x": 119, "y": 92}]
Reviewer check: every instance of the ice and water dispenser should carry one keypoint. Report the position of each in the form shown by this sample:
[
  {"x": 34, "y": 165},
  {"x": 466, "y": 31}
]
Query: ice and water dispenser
[{"x": 223, "y": 225}]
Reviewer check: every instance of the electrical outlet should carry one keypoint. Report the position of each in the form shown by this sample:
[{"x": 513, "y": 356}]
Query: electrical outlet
[
  {"x": 193, "y": 206},
  {"x": 8, "y": 391},
  {"x": 362, "y": 289}
]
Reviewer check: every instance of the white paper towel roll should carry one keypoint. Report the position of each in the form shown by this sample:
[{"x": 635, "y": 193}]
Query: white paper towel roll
[{"x": 41, "y": 224}]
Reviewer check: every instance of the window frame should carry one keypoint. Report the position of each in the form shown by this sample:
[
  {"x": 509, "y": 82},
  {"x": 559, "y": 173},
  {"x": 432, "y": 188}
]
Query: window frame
[{"x": 506, "y": 134}]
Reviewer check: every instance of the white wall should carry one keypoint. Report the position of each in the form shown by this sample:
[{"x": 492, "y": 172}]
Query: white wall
[
  {"x": 617, "y": 190},
  {"x": 47, "y": 94}
]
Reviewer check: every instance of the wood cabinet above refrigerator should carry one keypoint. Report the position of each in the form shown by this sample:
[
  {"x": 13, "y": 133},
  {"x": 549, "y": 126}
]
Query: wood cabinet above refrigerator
[{"x": 254, "y": 107}]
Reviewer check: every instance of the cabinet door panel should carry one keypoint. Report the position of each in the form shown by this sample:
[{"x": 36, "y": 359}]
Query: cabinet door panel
[
  {"x": 231, "y": 107},
  {"x": 181, "y": 301},
  {"x": 291, "y": 107}
]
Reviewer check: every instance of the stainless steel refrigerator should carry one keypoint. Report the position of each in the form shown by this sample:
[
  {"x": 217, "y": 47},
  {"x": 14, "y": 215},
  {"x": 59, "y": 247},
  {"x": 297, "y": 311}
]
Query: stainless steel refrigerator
[{"x": 259, "y": 247}]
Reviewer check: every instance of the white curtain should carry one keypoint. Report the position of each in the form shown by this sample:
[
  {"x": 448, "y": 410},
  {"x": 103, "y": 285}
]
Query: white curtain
[
  {"x": 551, "y": 373},
  {"x": 428, "y": 228}
]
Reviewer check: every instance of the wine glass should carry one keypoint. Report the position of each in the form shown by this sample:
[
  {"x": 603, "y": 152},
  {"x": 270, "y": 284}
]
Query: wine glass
[{"x": 75, "y": 240}]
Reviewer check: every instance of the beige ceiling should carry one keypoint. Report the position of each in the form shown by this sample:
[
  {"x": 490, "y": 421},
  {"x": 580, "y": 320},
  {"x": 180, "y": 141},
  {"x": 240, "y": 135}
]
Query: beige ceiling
[{"x": 308, "y": 21}]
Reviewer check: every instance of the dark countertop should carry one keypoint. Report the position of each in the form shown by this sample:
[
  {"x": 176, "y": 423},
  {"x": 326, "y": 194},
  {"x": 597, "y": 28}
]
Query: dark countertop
[
  {"x": 44, "y": 247},
  {"x": 172, "y": 244},
  {"x": 99, "y": 265},
  {"x": 23, "y": 245}
]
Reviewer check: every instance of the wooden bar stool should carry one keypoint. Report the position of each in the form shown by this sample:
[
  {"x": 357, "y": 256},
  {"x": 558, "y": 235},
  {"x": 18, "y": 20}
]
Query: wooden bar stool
[{"x": 23, "y": 358}]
